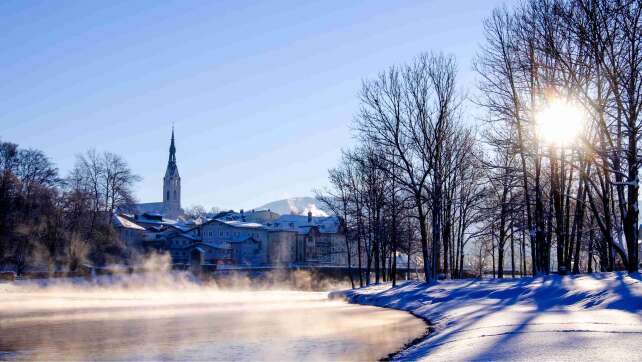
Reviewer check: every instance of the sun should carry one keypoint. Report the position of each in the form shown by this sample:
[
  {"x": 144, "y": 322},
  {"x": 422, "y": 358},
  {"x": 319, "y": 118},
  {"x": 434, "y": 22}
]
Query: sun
[{"x": 560, "y": 123}]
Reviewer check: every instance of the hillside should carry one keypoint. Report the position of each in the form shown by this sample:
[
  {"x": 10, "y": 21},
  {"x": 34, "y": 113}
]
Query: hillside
[{"x": 296, "y": 205}]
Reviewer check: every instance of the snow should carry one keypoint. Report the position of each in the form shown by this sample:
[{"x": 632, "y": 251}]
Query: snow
[
  {"x": 589, "y": 317},
  {"x": 297, "y": 206},
  {"x": 241, "y": 224},
  {"x": 122, "y": 222},
  {"x": 301, "y": 224}
]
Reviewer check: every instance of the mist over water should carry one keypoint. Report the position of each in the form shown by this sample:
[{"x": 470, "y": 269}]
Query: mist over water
[{"x": 176, "y": 319}]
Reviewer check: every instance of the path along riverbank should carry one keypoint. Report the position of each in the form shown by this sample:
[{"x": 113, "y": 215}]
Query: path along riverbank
[{"x": 588, "y": 317}]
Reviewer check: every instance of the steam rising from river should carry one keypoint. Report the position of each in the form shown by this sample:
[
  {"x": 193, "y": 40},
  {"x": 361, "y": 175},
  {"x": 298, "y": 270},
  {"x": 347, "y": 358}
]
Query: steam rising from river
[{"x": 173, "y": 316}]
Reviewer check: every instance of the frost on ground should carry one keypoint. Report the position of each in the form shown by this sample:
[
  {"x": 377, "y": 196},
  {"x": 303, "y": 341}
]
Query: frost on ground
[{"x": 573, "y": 318}]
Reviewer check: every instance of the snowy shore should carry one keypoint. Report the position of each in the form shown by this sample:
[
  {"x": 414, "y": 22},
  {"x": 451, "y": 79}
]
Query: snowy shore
[{"x": 588, "y": 317}]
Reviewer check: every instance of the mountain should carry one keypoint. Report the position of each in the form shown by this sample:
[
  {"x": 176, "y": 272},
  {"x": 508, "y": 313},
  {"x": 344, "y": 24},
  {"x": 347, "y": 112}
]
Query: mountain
[{"x": 297, "y": 206}]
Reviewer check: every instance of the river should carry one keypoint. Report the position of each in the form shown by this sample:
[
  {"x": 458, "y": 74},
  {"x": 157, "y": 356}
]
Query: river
[{"x": 195, "y": 324}]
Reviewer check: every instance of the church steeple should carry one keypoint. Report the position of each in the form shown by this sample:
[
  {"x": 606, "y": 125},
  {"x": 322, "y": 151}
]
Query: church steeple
[
  {"x": 172, "y": 169},
  {"x": 172, "y": 149},
  {"x": 172, "y": 184}
]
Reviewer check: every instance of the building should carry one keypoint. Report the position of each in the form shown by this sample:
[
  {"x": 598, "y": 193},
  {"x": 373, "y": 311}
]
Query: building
[
  {"x": 226, "y": 239},
  {"x": 308, "y": 240},
  {"x": 129, "y": 232},
  {"x": 249, "y": 239}
]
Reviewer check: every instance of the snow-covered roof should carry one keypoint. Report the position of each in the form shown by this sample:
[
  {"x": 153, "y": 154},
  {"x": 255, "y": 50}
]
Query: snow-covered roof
[
  {"x": 302, "y": 224},
  {"x": 260, "y": 216},
  {"x": 120, "y": 221},
  {"x": 238, "y": 223},
  {"x": 154, "y": 219},
  {"x": 242, "y": 224},
  {"x": 198, "y": 221},
  {"x": 182, "y": 227}
]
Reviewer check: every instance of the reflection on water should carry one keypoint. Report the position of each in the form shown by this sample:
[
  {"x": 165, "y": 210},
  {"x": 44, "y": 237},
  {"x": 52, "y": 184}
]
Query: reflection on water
[{"x": 195, "y": 324}]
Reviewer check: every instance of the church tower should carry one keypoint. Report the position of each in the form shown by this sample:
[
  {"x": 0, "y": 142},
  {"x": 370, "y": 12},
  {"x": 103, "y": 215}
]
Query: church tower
[{"x": 172, "y": 185}]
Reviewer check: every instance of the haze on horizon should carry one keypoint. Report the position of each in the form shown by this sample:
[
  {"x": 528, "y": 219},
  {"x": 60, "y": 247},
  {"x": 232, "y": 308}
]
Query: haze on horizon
[{"x": 262, "y": 95}]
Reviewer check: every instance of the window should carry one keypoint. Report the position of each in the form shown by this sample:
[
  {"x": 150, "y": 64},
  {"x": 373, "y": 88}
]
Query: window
[{"x": 167, "y": 195}]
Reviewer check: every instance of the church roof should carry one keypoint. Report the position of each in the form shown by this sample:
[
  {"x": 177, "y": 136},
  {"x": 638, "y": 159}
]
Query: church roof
[{"x": 172, "y": 169}]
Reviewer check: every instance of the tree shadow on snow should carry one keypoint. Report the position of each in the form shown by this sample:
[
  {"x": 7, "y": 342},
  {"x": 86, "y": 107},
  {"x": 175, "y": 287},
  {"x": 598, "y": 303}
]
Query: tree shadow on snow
[
  {"x": 490, "y": 297},
  {"x": 556, "y": 293}
]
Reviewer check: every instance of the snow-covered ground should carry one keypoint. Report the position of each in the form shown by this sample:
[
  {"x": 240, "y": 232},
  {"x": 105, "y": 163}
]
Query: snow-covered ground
[{"x": 572, "y": 318}]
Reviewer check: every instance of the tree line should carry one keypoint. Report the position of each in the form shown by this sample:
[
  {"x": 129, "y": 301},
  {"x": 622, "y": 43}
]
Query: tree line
[
  {"x": 471, "y": 194},
  {"x": 60, "y": 222}
]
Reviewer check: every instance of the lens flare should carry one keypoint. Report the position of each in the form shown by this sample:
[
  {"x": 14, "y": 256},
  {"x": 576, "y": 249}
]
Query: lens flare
[{"x": 561, "y": 122}]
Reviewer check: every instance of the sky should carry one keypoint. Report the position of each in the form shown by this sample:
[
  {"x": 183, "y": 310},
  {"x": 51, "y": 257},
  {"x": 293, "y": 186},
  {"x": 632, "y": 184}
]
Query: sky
[{"x": 262, "y": 94}]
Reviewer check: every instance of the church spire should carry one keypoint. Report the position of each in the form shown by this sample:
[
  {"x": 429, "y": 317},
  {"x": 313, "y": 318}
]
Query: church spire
[
  {"x": 172, "y": 169},
  {"x": 172, "y": 149}
]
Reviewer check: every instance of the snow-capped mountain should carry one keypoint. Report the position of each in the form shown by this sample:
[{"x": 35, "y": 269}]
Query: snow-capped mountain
[{"x": 297, "y": 206}]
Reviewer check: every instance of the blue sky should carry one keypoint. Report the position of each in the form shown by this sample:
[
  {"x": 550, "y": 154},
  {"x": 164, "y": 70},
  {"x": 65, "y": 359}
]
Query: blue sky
[{"x": 262, "y": 94}]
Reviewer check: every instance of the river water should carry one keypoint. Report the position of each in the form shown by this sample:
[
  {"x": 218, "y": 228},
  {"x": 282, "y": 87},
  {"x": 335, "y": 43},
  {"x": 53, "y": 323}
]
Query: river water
[{"x": 195, "y": 324}]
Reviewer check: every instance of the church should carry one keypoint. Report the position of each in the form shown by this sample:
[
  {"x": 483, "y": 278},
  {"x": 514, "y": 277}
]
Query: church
[{"x": 170, "y": 207}]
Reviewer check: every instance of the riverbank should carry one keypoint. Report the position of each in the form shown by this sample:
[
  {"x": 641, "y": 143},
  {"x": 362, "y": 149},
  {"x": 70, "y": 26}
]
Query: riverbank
[{"x": 587, "y": 317}]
